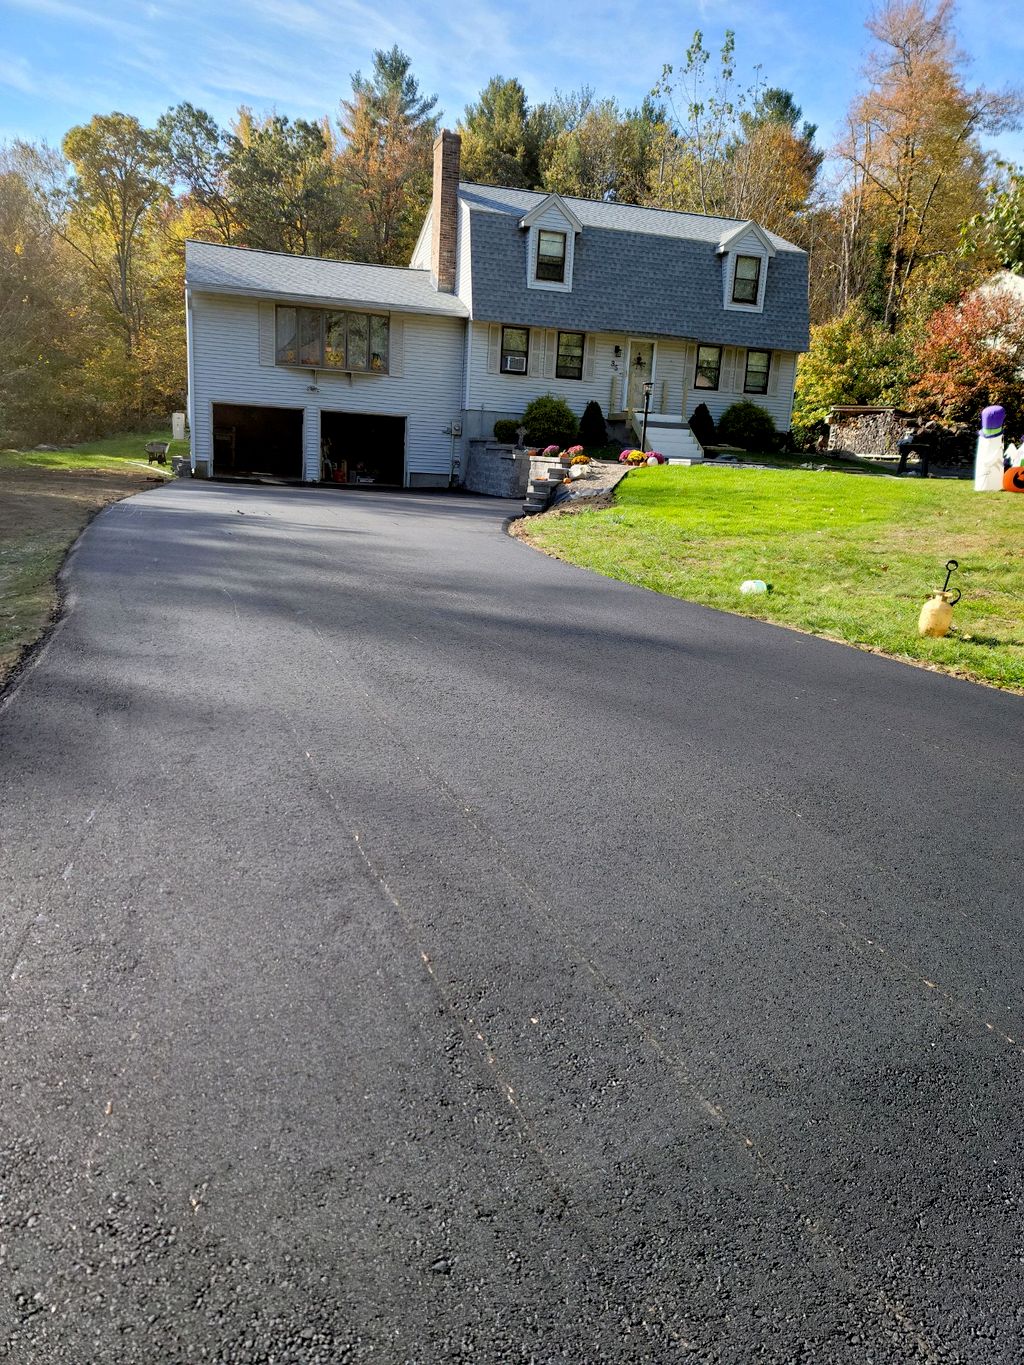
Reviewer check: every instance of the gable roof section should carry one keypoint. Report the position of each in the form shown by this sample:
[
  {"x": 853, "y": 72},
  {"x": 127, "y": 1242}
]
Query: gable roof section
[
  {"x": 600, "y": 213},
  {"x": 553, "y": 201},
  {"x": 214, "y": 269},
  {"x": 636, "y": 271},
  {"x": 736, "y": 236}
]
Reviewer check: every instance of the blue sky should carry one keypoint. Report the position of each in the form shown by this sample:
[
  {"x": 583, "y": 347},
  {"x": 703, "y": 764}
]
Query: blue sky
[{"x": 63, "y": 60}]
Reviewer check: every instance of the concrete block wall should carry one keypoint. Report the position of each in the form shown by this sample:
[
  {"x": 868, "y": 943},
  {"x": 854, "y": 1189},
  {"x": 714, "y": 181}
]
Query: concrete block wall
[{"x": 500, "y": 471}]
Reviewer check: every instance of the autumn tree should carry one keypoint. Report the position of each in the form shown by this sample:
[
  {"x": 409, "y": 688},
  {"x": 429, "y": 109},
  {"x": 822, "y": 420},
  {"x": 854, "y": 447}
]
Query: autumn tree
[
  {"x": 283, "y": 186},
  {"x": 503, "y": 138},
  {"x": 734, "y": 151},
  {"x": 971, "y": 355},
  {"x": 852, "y": 359},
  {"x": 773, "y": 164},
  {"x": 998, "y": 231},
  {"x": 914, "y": 162},
  {"x": 600, "y": 152},
  {"x": 38, "y": 336},
  {"x": 194, "y": 153},
  {"x": 109, "y": 204},
  {"x": 703, "y": 100},
  {"x": 389, "y": 128}
]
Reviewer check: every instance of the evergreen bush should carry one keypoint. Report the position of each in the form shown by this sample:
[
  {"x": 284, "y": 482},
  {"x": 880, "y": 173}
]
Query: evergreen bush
[
  {"x": 505, "y": 430},
  {"x": 549, "y": 421},
  {"x": 702, "y": 424},
  {"x": 748, "y": 426},
  {"x": 593, "y": 431}
]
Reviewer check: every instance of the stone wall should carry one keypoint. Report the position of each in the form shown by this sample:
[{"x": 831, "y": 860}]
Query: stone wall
[
  {"x": 874, "y": 433},
  {"x": 500, "y": 471}
]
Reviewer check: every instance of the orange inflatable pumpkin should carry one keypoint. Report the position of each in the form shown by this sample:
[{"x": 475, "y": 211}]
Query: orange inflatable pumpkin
[{"x": 1013, "y": 479}]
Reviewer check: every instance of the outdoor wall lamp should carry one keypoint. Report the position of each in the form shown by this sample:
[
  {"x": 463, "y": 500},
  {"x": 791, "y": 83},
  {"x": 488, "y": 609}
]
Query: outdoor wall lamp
[{"x": 618, "y": 352}]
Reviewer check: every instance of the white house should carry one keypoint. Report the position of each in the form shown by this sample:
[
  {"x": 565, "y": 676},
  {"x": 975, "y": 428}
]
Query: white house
[{"x": 309, "y": 369}]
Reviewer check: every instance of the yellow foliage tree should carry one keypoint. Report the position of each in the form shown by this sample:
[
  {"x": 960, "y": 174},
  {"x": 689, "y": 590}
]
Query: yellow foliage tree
[{"x": 914, "y": 163}]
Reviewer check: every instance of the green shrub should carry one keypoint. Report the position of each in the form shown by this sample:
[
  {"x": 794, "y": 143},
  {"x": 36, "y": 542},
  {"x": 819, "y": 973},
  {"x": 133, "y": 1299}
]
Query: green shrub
[
  {"x": 851, "y": 359},
  {"x": 506, "y": 431},
  {"x": 748, "y": 426},
  {"x": 593, "y": 431},
  {"x": 549, "y": 421},
  {"x": 702, "y": 424}
]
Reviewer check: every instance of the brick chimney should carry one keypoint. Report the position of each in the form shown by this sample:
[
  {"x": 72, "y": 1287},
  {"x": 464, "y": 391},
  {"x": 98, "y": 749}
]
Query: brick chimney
[{"x": 444, "y": 212}]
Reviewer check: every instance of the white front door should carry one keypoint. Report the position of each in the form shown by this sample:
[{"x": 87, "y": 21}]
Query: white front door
[{"x": 639, "y": 370}]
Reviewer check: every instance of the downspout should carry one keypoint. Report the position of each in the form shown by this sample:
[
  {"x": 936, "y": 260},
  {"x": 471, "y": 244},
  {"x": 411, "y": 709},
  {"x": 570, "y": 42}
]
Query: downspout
[{"x": 190, "y": 372}]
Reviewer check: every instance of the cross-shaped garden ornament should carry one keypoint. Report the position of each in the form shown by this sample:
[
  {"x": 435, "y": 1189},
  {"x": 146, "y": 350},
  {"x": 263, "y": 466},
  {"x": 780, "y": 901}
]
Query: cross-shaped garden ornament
[{"x": 520, "y": 433}]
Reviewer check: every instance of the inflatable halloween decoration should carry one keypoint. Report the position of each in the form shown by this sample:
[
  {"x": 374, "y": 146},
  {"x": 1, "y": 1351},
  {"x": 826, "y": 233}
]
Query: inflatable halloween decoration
[{"x": 988, "y": 461}]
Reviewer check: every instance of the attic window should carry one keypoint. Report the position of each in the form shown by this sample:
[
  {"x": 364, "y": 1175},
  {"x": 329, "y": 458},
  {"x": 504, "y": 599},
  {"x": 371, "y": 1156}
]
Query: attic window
[
  {"x": 746, "y": 279},
  {"x": 551, "y": 256}
]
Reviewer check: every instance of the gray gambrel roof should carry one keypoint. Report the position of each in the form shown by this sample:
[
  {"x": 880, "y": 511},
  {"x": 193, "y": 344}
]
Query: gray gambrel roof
[
  {"x": 215, "y": 269},
  {"x": 646, "y": 271}
]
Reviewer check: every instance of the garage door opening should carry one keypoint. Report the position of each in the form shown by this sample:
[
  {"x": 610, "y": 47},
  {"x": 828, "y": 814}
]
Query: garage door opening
[
  {"x": 251, "y": 441},
  {"x": 363, "y": 448}
]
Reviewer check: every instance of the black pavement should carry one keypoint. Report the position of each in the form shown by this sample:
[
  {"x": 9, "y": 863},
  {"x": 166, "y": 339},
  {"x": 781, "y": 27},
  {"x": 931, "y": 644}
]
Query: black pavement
[{"x": 415, "y": 949}]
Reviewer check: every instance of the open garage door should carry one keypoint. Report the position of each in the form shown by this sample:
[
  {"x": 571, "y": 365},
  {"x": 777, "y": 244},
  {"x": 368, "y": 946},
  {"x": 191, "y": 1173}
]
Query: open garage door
[
  {"x": 250, "y": 441},
  {"x": 363, "y": 448}
]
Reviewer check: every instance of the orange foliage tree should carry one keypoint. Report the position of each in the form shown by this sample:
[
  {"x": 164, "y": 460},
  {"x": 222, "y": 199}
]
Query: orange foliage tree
[{"x": 972, "y": 355}]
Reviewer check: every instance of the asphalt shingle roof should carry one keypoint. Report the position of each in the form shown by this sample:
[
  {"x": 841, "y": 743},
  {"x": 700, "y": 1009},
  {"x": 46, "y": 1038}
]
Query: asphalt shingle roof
[
  {"x": 640, "y": 271},
  {"x": 216, "y": 269},
  {"x": 695, "y": 227}
]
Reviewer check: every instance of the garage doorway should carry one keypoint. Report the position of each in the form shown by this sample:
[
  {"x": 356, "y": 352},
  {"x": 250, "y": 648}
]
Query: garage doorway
[
  {"x": 252, "y": 441},
  {"x": 363, "y": 448}
]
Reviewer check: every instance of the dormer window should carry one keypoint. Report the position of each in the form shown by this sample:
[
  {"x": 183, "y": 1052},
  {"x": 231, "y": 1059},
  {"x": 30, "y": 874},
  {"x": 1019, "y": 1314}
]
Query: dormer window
[
  {"x": 746, "y": 279},
  {"x": 746, "y": 252},
  {"x": 551, "y": 256},
  {"x": 552, "y": 229}
]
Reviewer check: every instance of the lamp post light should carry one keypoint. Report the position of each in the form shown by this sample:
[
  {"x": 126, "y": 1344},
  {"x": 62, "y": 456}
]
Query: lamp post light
[{"x": 648, "y": 389}]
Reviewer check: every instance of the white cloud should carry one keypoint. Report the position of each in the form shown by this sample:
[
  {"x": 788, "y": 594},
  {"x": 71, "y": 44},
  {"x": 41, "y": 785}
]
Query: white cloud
[{"x": 17, "y": 75}]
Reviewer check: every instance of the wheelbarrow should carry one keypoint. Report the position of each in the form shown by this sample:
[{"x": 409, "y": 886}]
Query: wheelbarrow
[{"x": 157, "y": 451}]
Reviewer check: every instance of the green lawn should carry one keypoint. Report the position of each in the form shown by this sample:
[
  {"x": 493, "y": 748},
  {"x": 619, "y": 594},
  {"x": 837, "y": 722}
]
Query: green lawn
[
  {"x": 847, "y": 557},
  {"x": 109, "y": 453}
]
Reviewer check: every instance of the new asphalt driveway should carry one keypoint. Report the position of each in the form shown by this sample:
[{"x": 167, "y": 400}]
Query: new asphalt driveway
[{"x": 415, "y": 949}]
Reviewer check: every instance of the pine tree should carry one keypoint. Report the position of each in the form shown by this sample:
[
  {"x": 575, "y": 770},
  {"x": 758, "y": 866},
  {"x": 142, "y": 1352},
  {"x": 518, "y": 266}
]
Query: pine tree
[{"x": 389, "y": 129}]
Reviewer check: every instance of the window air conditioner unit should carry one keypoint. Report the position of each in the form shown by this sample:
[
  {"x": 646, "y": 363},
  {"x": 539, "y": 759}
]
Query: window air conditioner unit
[{"x": 515, "y": 364}]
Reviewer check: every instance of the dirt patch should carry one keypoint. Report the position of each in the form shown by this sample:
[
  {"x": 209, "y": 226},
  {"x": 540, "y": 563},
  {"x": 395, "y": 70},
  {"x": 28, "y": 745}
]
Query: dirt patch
[{"x": 42, "y": 513}]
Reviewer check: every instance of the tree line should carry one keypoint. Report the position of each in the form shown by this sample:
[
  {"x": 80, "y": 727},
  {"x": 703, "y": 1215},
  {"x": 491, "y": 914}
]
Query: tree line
[{"x": 900, "y": 218}]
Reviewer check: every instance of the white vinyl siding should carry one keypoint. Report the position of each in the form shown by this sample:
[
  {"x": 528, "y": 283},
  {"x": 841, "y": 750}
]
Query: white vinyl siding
[
  {"x": 463, "y": 274},
  {"x": 230, "y": 365},
  {"x": 492, "y": 391},
  {"x": 421, "y": 251},
  {"x": 778, "y": 400}
]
